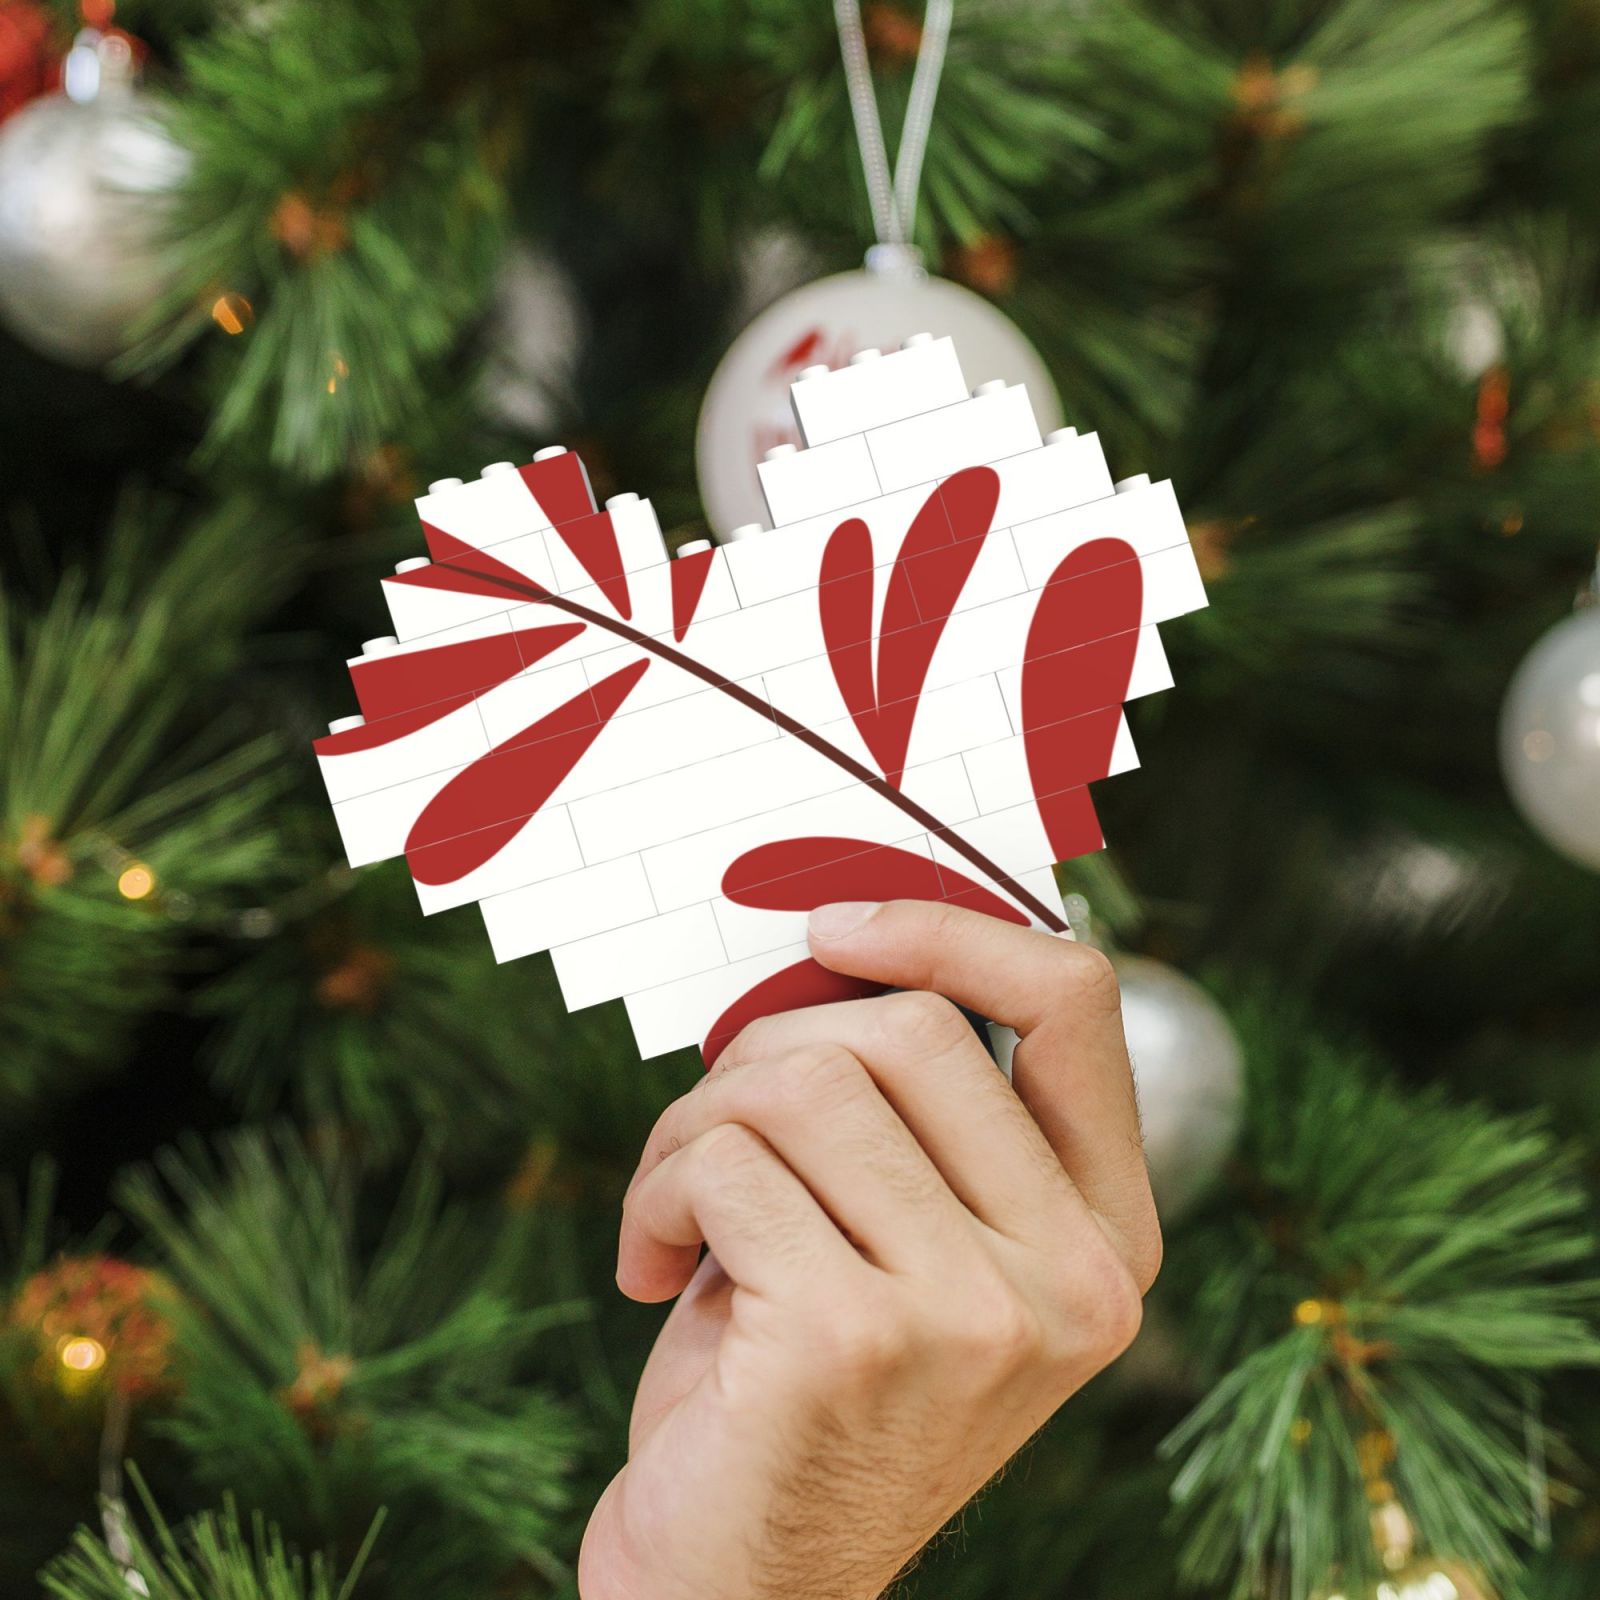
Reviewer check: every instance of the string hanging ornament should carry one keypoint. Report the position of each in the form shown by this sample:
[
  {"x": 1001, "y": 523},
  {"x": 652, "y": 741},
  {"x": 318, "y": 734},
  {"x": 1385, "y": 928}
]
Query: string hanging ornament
[{"x": 852, "y": 316}]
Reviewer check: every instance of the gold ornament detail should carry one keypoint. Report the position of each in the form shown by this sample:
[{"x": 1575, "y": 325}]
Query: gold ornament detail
[{"x": 96, "y": 1320}]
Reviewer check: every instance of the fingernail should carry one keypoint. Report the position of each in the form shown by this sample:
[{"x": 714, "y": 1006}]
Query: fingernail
[{"x": 842, "y": 917}]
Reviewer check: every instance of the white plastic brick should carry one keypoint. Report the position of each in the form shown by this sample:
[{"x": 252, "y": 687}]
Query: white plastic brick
[
  {"x": 443, "y": 745},
  {"x": 620, "y": 871},
  {"x": 988, "y": 638},
  {"x": 829, "y": 406},
  {"x": 1055, "y": 477},
  {"x": 638, "y": 535},
  {"x": 485, "y": 512},
  {"x": 810, "y": 483},
  {"x": 938, "y": 443},
  {"x": 561, "y": 910},
  {"x": 669, "y": 1016},
  {"x": 999, "y": 774},
  {"x": 687, "y": 865},
  {"x": 374, "y": 827},
  {"x": 510, "y": 709},
  {"x": 787, "y": 561},
  {"x": 1148, "y": 519},
  {"x": 1152, "y": 673},
  {"x": 545, "y": 846},
  {"x": 639, "y": 956}
]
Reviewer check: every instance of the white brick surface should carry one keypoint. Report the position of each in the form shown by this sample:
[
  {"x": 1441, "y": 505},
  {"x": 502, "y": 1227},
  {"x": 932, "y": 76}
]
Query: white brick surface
[
  {"x": 810, "y": 483},
  {"x": 567, "y": 908},
  {"x": 620, "y": 872},
  {"x": 868, "y": 394},
  {"x": 938, "y": 443},
  {"x": 639, "y": 956}
]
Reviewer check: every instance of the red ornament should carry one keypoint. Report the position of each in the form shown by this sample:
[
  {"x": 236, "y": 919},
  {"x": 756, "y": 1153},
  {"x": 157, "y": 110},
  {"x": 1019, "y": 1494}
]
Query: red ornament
[
  {"x": 98, "y": 1315},
  {"x": 29, "y": 64}
]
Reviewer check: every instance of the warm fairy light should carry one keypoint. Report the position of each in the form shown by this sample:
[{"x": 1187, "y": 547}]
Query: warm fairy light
[
  {"x": 340, "y": 370},
  {"x": 232, "y": 313},
  {"x": 82, "y": 1354},
  {"x": 136, "y": 881},
  {"x": 1300, "y": 1431},
  {"x": 1308, "y": 1313}
]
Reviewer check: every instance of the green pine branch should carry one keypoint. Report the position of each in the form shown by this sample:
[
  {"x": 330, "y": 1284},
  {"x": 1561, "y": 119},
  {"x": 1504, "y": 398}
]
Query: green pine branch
[
  {"x": 115, "y": 765},
  {"x": 1392, "y": 1268},
  {"x": 328, "y": 1369},
  {"x": 209, "y": 1557}
]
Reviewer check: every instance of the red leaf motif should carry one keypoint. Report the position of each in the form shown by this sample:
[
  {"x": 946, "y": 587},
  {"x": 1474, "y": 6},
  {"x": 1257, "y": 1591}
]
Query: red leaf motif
[
  {"x": 464, "y": 825},
  {"x": 689, "y": 574},
  {"x": 935, "y": 560},
  {"x": 387, "y": 686},
  {"x": 844, "y": 604},
  {"x": 560, "y": 487},
  {"x": 385, "y": 731},
  {"x": 593, "y": 541},
  {"x": 928, "y": 577},
  {"x": 1078, "y": 659},
  {"x": 470, "y": 571},
  {"x": 797, "y": 874},
  {"x": 803, "y": 984}
]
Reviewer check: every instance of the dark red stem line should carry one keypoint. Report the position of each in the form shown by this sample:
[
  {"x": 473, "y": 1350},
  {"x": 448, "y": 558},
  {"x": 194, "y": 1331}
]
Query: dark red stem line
[{"x": 862, "y": 774}]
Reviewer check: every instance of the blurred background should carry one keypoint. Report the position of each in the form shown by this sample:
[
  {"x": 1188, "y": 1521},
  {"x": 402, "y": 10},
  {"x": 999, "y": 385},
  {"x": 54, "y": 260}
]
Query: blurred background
[{"x": 309, "y": 1207}]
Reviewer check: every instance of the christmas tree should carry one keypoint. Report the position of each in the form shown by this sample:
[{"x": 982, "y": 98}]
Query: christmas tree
[{"x": 309, "y": 1206}]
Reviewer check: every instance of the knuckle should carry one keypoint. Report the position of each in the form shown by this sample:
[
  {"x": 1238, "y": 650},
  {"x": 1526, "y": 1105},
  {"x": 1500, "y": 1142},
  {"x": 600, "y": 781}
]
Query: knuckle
[
  {"x": 997, "y": 1336},
  {"x": 1107, "y": 1306},
  {"x": 815, "y": 1077},
  {"x": 1092, "y": 977},
  {"x": 751, "y": 1043},
  {"x": 865, "y": 1339},
  {"x": 729, "y": 1153},
  {"x": 928, "y": 1022}
]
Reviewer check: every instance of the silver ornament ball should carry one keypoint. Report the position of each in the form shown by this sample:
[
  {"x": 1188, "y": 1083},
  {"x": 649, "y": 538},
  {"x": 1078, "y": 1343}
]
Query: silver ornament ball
[
  {"x": 1190, "y": 1076},
  {"x": 1550, "y": 737},
  {"x": 81, "y": 192},
  {"x": 824, "y": 323}
]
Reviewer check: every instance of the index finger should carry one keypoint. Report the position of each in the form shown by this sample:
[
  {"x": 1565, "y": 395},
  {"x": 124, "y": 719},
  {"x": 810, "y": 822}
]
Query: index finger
[{"x": 1071, "y": 1068}]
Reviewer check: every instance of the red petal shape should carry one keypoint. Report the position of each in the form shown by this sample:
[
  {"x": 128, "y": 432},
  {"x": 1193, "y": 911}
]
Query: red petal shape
[
  {"x": 593, "y": 541},
  {"x": 529, "y": 766},
  {"x": 1070, "y": 823},
  {"x": 388, "y": 685},
  {"x": 560, "y": 486},
  {"x": 928, "y": 577},
  {"x": 1072, "y": 697},
  {"x": 386, "y": 730},
  {"x": 470, "y": 571},
  {"x": 689, "y": 574},
  {"x": 803, "y": 984},
  {"x": 844, "y": 604},
  {"x": 797, "y": 874}
]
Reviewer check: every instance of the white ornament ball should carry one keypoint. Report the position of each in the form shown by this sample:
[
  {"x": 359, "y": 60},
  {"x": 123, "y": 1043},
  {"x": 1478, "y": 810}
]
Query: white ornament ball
[
  {"x": 747, "y": 411},
  {"x": 1190, "y": 1076},
  {"x": 81, "y": 192},
  {"x": 1550, "y": 737}
]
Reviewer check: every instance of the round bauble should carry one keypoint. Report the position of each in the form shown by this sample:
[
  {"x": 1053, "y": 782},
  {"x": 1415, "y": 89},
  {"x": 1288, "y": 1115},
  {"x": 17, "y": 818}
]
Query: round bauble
[
  {"x": 1190, "y": 1076},
  {"x": 1550, "y": 737},
  {"x": 96, "y": 1320},
  {"x": 83, "y": 188},
  {"x": 746, "y": 410}
]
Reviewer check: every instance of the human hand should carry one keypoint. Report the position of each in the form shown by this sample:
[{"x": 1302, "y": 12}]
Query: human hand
[{"x": 910, "y": 1264}]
